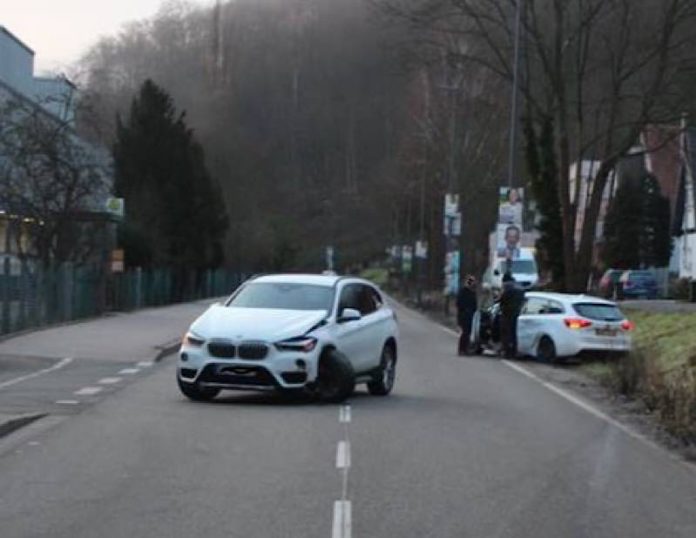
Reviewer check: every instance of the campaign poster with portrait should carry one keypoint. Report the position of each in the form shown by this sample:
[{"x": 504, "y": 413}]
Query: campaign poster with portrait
[
  {"x": 511, "y": 206},
  {"x": 509, "y": 241}
]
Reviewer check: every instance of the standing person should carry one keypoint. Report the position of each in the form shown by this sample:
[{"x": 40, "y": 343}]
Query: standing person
[
  {"x": 511, "y": 302},
  {"x": 466, "y": 308}
]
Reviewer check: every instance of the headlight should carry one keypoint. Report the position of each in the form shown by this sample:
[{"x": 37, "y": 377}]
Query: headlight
[
  {"x": 304, "y": 344},
  {"x": 192, "y": 339}
]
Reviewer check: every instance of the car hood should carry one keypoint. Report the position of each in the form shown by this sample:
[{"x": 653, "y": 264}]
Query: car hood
[{"x": 264, "y": 324}]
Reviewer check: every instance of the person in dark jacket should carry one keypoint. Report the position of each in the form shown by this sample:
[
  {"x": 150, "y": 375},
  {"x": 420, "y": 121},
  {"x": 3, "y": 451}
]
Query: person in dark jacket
[
  {"x": 511, "y": 302},
  {"x": 466, "y": 308}
]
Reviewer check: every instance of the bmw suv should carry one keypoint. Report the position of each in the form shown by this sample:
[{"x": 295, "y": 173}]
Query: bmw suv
[{"x": 320, "y": 334}]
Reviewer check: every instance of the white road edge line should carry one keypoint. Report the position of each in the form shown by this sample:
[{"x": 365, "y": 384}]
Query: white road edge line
[
  {"x": 589, "y": 408},
  {"x": 344, "y": 414},
  {"x": 87, "y": 391},
  {"x": 109, "y": 380},
  {"x": 144, "y": 364},
  {"x": 341, "y": 520},
  {"x": 57, "y": 366},
  {"x": 343, "y": 455},
  {"x": 128, "y": 371},
  {"x": 68, "y": 402},
  {"x": 586, "y": 406}
]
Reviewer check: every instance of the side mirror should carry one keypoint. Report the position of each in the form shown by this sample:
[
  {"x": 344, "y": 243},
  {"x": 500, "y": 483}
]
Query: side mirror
[{"x": 349, "y": 314}]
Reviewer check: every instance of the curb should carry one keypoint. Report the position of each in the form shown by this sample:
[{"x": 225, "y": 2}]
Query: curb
[
  {"x": 15, "y": 423},
  {"x": 167, "y": 349}
]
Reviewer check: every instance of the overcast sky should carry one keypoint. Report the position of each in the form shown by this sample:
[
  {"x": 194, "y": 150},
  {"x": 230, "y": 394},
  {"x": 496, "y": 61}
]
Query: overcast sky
[{"x": 60, "y": 31}]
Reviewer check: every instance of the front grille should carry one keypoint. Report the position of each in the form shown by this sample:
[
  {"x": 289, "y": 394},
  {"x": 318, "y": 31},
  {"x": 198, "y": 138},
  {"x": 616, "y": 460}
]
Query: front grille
[
  {"x": 253, "y": 352},
  {"x": 222, "y": 350},
  {"x": 237, "y": 375}
]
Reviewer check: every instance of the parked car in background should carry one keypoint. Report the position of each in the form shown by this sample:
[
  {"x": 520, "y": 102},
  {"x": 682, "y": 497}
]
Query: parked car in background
[
  {"x": 554, "y": 325},
  {"x": 638, "y": 284},
  {"x": 608, "y": 284}
]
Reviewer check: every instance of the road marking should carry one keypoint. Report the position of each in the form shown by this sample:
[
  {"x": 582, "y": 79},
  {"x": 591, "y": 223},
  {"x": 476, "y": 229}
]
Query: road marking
[
  {"x": 129, "y": 371},
  {"x": 109, "y": 380},
  {"x": 87, "y": 391},
  {"x": 343, "y": 455},
  {"x": 53, "y": 368},
  {"x": 341, "y": 520},
  {"x": 144, "y": 364},
  {"x": 344, "y": 414},
  {"x": 67, "y": 402},
  {"x": 586, "y": 406}
]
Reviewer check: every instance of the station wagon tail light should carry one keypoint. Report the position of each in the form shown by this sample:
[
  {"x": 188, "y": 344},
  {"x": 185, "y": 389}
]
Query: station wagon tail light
[
  {"x": 577, "y": 323},
  {"x": 627, "y": 325}
]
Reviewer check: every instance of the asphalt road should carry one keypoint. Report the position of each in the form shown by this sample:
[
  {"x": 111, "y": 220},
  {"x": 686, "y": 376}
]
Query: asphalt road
[{"x": 462, "y": 448}]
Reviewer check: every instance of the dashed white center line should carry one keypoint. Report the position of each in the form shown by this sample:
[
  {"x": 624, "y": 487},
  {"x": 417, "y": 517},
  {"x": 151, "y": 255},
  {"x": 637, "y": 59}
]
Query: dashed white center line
[
  {"x": 109, "y": 380},
  {"x": 144, "y": 364},
  {"x": 88, "y": 391},
  {"x": 344, "y": 414},
  {"x": 67, "y": 402},
  {"x": 128, "y": 371},
  {"x": 343, "y": 455},
  {"x": 56, "y": 366},
  {"x": 341, "y": 520}
]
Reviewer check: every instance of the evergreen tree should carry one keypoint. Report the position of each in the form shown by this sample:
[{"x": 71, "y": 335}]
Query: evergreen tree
[
  {"x": 541, "y": 165},
  {"x": 175, "y": 216},
  {"x": 636, "y": 230}
]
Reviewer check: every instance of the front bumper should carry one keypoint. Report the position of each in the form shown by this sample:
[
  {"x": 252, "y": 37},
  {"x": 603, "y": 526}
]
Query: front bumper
[{"x": 278, "y": 370}]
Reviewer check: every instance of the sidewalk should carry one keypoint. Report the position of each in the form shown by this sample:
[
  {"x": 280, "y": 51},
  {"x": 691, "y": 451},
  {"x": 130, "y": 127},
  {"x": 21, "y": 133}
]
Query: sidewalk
[
  {"x": 142, "y": 335},
  {"x": 32, "y": 376}
]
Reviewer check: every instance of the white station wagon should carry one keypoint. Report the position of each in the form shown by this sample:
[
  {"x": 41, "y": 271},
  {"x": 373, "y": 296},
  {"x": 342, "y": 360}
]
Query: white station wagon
[{"x": 554, "y": 325}]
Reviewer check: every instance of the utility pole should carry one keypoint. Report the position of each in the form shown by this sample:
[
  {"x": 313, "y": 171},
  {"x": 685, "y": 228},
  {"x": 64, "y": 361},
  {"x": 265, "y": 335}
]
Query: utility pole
[{"x": 515, "y": 95}]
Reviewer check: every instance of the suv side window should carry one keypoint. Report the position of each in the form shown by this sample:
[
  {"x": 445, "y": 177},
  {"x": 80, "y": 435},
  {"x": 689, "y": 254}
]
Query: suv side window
[
  {"x": 350, "y": 298},
  {"x": 367, "y": 300},
  {"x": 376, "y": 297}
]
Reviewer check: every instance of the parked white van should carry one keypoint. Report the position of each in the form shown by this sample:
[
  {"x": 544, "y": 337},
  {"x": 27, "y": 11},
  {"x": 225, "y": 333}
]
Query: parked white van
[{"x": 524, "y": 270}]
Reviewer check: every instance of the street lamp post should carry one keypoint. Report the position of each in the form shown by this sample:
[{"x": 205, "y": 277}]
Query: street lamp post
[{"x": 515, "y": 94}]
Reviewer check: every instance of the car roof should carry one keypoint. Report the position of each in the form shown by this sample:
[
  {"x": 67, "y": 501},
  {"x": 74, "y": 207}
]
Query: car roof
[
  {"x": 310, "y": 279},
  {"x": 568, "y": 297},
  {"x": 313, "y": 279}
]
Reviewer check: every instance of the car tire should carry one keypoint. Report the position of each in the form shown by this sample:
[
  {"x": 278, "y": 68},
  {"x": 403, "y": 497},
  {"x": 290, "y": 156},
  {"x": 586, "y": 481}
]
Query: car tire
[
  {"x": 383, "y": 381},
  {"x": 336, "y": 378},
  {"x": 546, "y": 350},
  {"x": 193, "y": 391}
]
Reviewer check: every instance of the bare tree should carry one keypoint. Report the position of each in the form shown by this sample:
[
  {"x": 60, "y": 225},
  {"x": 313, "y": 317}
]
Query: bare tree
[
  {"x": 599, "y": 70},
  {"x": 51, "y": 181}
]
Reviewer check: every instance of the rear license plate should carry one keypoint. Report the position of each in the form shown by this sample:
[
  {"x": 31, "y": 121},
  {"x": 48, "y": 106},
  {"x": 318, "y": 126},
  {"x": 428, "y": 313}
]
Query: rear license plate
[{"x": 607, "y": 331}]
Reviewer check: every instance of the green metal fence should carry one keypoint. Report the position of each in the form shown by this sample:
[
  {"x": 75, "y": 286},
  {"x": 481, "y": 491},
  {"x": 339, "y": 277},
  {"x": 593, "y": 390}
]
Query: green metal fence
[{"x": 32, "y": 297}]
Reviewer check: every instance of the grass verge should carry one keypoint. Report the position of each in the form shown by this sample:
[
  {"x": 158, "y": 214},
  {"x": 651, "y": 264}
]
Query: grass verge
[{"x": 661, "y": 369}]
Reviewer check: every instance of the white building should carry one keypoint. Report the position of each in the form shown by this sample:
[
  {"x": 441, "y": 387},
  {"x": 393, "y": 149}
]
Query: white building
[
  {"x": 685, "y": 242},
  {"x": 581, "y": 177},
  {"x": 54, "y": 99}
]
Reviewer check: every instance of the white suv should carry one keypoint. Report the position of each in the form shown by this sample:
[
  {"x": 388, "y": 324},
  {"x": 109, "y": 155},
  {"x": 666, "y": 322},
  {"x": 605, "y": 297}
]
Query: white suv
[{"x": 317, "y": 333}]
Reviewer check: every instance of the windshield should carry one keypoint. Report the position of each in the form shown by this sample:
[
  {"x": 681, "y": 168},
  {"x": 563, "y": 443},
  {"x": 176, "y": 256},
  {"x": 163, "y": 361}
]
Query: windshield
[
  {"x": 598, "y": 311},
  {"x": 518, "y": 266},
  {"x": 285, "y": 296}
]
